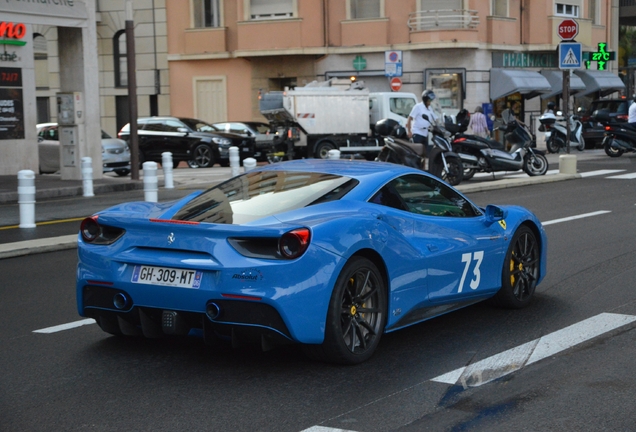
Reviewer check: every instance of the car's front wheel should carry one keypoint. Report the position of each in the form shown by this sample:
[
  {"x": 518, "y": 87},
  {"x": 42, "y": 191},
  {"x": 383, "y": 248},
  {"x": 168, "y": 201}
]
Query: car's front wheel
[
  {"x": 202, "y": 157},
  {"x": 520, "y": 270},
  {"x": 356, "y": 315}
]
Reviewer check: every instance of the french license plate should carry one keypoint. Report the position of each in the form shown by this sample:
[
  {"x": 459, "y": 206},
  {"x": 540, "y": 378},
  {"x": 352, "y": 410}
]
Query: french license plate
[{"x": 180, "y": 278}]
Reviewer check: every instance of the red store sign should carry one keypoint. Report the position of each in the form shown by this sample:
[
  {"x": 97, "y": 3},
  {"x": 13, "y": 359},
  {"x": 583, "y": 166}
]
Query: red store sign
[{"x": 14, "y": 32}]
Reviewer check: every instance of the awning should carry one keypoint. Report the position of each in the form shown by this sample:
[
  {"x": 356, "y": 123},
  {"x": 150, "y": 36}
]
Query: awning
[
  {"x": 504, "y": 82},
  {"x": 604, "y": 82},
  {"x": 555, "y": 78}
]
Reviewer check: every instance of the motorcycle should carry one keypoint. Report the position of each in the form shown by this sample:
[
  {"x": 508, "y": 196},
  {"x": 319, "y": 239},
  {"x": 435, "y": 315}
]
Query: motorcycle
[
  {"x": 479, "y": 154},
  {"x": 442, "y": 162},
  {"x": 557, "y": 129},
  {"x": 619, "y": 137}
]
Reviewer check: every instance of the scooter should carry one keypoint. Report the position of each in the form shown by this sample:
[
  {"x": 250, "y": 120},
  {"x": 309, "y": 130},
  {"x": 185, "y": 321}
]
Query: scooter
[
  {"x": 442, "y": 162},
  {"x": 479, "y": 154},
  {"x": 557, "y": 128},
  {"x": 619, "y": 137}
]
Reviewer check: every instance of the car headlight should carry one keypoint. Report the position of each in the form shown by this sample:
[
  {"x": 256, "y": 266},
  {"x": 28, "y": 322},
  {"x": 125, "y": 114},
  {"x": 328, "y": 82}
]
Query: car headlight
[{"x": 222, "y": 141}]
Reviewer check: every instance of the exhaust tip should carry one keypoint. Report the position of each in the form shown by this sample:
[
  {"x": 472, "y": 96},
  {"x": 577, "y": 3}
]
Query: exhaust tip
[
  {"x": 120, "y": 301},
  {"x": 212, "y": 311}
]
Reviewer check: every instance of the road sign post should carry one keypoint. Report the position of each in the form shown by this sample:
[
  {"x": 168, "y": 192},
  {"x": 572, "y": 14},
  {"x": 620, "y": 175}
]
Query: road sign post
[{"x": 569, "y": 58}]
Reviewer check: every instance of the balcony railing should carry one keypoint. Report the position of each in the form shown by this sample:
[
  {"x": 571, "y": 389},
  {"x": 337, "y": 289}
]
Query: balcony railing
[{"x": 443, "y": 19}]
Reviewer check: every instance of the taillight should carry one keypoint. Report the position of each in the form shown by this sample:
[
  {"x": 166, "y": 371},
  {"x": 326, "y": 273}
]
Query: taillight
[
  {"x": 92, "y": 232},
  {"x": 607, "y": 128},
  {"x": 294, "y": 243},
  {"x": 459, "y": 140}
]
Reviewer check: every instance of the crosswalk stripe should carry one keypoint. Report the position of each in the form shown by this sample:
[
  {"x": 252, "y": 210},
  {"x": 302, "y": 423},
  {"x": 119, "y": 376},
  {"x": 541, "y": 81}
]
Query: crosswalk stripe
[
  {"x": 628, "y": 176},
  {"x": 599, "y": 172}
]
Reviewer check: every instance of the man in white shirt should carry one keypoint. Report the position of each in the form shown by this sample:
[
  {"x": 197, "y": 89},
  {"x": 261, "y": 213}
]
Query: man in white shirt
[
  {"x": 632, "y": 114},
  {"x": 416, "y": 126}
]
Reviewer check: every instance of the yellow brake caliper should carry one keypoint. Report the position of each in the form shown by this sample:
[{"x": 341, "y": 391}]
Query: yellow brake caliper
[{"x": 512, "y": 268}]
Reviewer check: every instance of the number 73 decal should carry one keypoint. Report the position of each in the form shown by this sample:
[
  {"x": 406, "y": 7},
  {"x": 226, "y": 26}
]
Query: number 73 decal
[{"x": 468, "y": 258}]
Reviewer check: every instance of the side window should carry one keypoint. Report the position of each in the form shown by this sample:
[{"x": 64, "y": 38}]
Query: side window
[
  {"x": 387, "y": 196},
  {"x": 430, "y": 197},
  {"x": 401, "y": 106},
  {"x": 173, "y": 126},
  {"x": 238, "y": 128},
  {"x": 155, "y": 127}
]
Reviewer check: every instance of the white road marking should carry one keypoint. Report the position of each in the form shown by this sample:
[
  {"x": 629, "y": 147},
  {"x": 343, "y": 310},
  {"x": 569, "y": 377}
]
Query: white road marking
[
  {"x": 570, "y": 218},
  {"x": 628, "y": 176},
  {"x": 514, "y": 359},
  {"x": 67, "y": 326},
  {"x": 599, "y": 172}
]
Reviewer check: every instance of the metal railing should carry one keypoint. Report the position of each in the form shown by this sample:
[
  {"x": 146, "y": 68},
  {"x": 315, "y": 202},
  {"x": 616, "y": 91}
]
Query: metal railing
[{"x": 443, "y": 19}]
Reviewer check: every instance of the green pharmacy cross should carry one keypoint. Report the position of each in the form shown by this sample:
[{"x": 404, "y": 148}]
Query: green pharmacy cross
[
  {"x": 359, "y": 63},
  {"x": 601, "y": 57}
]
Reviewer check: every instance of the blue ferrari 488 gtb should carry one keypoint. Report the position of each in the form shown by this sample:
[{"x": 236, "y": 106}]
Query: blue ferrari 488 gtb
[{"x": 329, "y": 254}]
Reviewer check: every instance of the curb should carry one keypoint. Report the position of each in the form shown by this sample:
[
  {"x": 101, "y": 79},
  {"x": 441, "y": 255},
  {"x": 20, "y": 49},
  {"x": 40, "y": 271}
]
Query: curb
[
  {"x": 28, "y": 247},
  {"x": 511, "y": 183},
  {"x": 68, "y": 191}
]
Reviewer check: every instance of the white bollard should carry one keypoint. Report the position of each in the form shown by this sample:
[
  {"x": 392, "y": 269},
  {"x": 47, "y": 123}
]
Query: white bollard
[
  {"x": 334, "y": 154},
  {"x": 249, "y": 164},
  {"x": 26, "y": 198},
  {"x": 235, "y": 162},
  {"x": 87, "y": 176},
  {"x": 567, "y": 164},
  {"x": 166, "y": 164},
  {"x": 150, "y": 181}
]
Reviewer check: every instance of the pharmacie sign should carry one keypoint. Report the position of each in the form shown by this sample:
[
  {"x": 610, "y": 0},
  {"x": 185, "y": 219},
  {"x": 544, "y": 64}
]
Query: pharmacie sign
[
  {"x": 525, "y": 60},
  {"x": 12, "y": 33}
]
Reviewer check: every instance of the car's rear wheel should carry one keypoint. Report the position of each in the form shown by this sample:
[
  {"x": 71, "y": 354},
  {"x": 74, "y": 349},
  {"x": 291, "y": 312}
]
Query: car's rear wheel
[
  {"x": 122, "y": 172},
  {"x": 356, "y": 315},
  {"x": 202, "y": 157},
  {"x": 520, "y": 270}
]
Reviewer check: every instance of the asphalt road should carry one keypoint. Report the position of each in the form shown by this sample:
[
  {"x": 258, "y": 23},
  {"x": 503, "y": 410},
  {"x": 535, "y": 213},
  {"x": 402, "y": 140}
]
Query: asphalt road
[{"x": 83, "y": 379}]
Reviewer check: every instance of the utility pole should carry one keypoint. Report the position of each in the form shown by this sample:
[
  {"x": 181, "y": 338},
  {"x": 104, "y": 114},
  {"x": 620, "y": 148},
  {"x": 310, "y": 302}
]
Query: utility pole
[{"x": 132, "y": 91}]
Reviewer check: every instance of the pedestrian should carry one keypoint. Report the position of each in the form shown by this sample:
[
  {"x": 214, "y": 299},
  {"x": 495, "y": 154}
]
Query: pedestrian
[
  {"x": 550, "y": 108},
  {"x": 631, "y": 118},
  {"x": 478, "y": 123},
  {"x": 416, "y": 125}
]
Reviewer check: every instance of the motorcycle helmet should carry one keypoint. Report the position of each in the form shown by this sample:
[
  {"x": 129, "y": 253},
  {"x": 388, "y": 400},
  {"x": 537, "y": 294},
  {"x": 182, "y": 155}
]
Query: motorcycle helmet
[
  {"x": 399, "y": 132},
  {"x": 551, "y": 106},
  {"x": 428, "y": 95},
  {"x": 385, "y": 127}
]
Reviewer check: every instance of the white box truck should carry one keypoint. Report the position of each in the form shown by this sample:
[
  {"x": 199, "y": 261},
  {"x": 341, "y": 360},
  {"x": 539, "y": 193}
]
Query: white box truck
[{"x": 334, "y": 114}]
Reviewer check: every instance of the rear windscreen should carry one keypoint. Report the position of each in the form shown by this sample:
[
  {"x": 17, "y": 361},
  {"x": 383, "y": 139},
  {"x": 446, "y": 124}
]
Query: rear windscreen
[{"x": 256, "y": 195}]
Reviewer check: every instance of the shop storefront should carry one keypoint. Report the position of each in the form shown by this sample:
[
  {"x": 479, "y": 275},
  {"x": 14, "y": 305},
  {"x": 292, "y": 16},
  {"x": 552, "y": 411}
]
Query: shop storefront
[{"x": 20, "y": 24}]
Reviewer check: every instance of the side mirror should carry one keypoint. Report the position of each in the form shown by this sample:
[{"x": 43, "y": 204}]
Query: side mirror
[
  {"x": 425, "y": 117},
  {"x": 495, "y": 213},
  {"x": 183, "y": 130}
]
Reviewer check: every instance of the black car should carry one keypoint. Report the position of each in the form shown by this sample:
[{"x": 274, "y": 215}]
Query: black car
[
  {"x": 593, "y": 131},
  {"x": 198, "y": 143},
  {"x": 265, "y": 136}
]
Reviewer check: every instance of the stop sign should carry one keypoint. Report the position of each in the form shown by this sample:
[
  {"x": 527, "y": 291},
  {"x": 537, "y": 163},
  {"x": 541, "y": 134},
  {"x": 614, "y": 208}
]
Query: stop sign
[
  {"x": 568, "y": 29},
  {"x": 396, "y": 84}
]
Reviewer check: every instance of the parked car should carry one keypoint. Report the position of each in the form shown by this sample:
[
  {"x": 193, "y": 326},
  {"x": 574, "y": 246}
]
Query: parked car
[
  {"x": 330, "y": 254},
  {"x": 198, "y": 143},
  {"x": 263, "y": 134},
  {"x": 594, "y": 131},
  {"x": 115, "y": 154}
]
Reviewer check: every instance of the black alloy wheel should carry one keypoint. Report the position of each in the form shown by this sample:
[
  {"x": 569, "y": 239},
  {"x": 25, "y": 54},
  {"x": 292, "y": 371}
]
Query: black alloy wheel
[
  {"x": 520, "y": 270},
  {"x": 202, "y": 156},
  {"x": 356, "y": 315}
]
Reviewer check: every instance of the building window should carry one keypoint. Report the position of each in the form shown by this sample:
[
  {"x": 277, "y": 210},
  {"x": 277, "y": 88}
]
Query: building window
[
  {"x": 206, "y": 13},
  {"x": 499, "y": 8},
  {"x": 271, "y": 9},
  {"x": 41, "y": 58},
  {"x": 566, "y": 10},
  {"x": 448, "y": 86},
  {"x": 431, "y": 5},
  {"x": 360, "y": 9},
  {"x": 594, "y": 12},
  {"x": 119, "y": 58}
]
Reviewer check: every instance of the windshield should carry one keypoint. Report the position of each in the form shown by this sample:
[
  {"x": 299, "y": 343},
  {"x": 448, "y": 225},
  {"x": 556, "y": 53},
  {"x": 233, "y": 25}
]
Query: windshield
[{"x": 256, "y": 195}]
